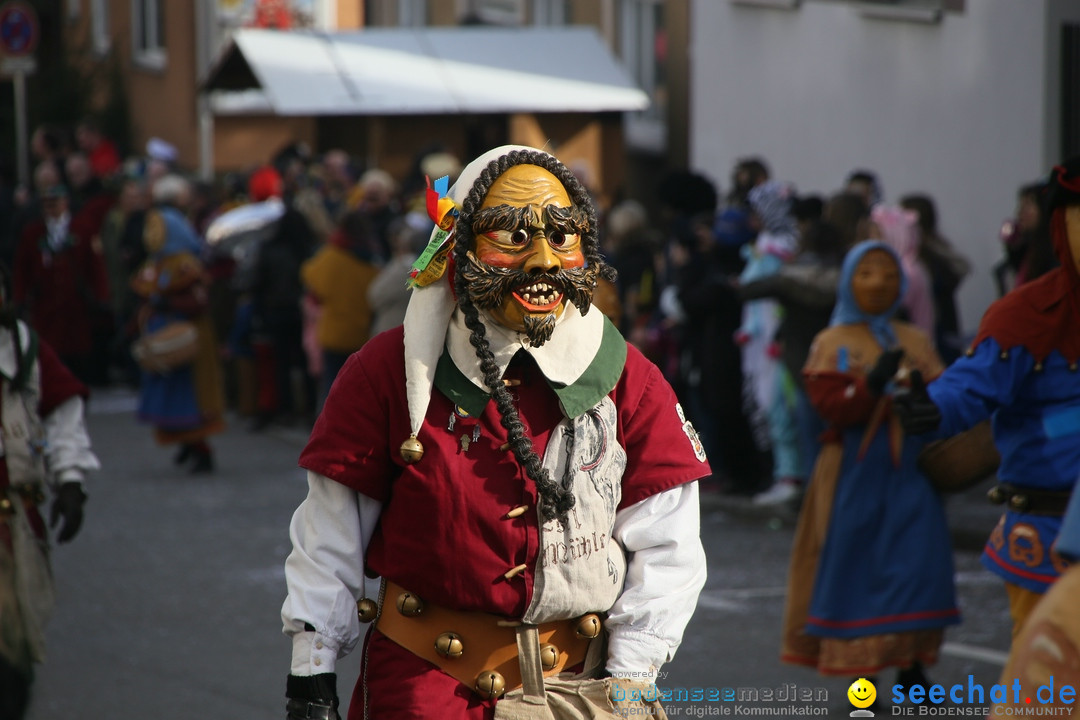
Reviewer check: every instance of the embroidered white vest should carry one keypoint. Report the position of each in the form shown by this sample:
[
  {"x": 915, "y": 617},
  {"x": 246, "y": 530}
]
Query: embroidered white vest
[{"x": 580, "y": 567}]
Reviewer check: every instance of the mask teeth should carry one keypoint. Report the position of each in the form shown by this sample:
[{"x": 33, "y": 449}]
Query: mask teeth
[{"x": 539, "y": 294}]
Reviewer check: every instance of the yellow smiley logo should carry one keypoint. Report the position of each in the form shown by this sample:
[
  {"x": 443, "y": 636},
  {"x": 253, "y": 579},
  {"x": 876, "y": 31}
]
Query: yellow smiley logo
[{"x": 862, "y": 693}]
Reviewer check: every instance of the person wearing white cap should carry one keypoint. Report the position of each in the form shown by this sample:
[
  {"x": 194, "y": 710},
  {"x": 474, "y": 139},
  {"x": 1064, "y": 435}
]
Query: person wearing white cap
[
  {"x": 162, "y": 150},
  {"x": 503, "y": 490}
]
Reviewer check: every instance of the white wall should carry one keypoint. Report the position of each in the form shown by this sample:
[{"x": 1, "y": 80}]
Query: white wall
[{"x": 956, "y": 110}]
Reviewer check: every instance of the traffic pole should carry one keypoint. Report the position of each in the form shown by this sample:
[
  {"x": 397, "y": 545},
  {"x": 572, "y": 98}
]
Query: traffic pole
[{"x": 22, "y": 150}]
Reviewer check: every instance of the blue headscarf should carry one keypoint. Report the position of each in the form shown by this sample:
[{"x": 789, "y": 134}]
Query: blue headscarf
[
  {"x": 847, "y": 311},
  {"x": 180, "y": 236}
]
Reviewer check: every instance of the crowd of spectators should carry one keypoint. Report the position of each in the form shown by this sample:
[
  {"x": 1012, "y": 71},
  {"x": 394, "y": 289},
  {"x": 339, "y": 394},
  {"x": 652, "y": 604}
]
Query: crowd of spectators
[{"x": 723, "y": 293}]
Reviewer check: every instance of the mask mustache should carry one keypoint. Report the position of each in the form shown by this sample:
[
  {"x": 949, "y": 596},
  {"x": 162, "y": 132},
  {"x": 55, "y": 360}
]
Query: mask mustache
[{"x": 487, "y": 285}]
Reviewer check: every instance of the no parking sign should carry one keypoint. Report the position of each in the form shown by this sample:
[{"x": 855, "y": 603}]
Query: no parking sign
[{"x": 18, "y": 29}]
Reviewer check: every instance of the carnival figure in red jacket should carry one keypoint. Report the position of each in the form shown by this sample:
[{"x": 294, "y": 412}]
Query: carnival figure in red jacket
[{"x": 519, "y": 478}]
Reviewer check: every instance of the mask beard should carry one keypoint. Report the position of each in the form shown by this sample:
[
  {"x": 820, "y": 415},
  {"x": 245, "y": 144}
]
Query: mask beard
[
  {"x": 539, "y": 329},
  {"x": 488, "y": 286}
]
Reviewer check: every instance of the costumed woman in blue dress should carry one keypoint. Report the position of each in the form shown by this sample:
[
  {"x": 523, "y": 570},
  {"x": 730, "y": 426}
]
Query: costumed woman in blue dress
[
  {"x": 870, "y": 585},
  {"x": 184, "y": 405}
]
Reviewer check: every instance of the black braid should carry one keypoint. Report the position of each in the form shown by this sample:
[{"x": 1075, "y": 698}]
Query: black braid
[
  {"x": 9, "y": 321},
  {"x": 556, "y": 500}
]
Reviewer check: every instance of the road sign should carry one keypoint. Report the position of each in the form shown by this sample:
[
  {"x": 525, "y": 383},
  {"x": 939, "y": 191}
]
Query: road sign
[
  {"x": 19, "y": 29},
  {"x": 12, "y": 65}
]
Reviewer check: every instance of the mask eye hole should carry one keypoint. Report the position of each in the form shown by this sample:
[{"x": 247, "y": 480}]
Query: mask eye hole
[
  {"x": 556, "y": 238},
  {"x": 519, "y": 237}
]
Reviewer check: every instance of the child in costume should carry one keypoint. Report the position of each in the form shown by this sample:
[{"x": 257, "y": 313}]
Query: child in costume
[
  {"x": 543, "y": 500},
  {"x": 870, "y": 585},
  {"x": 774, "y": 390}
]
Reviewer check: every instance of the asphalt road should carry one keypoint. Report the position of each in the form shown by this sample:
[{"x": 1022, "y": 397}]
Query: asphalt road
[{"x": 169, "y": 599}]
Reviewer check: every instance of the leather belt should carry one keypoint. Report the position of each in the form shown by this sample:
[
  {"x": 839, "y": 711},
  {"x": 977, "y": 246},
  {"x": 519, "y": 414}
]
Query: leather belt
[
  {"x": 477, "y": 642},
  {"x": 1030, "y": 500},
  {"x": 31, "y": 494}
]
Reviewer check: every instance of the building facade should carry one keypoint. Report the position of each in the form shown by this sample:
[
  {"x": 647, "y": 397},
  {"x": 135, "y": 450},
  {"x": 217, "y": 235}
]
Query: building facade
[
  {"x": 165, "y": 51},
  {"x": 963, "y": 100}
]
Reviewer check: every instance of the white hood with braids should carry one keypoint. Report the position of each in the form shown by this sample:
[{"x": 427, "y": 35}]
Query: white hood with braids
[{"x": 428, "y": 321}]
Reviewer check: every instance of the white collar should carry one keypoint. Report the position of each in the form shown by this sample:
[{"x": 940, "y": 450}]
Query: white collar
[
  {"x": 8, "y": 366},
  {"x": 562, "y": 359}
]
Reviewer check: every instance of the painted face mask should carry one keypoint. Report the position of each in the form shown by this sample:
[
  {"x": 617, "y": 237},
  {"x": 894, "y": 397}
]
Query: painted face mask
[
  {"x": 528, "y": 260},
  {"x": 875, "y": 284}
]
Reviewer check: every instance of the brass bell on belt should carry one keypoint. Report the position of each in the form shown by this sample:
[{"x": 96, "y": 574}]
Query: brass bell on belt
[
  {"x": 366, "y": 609},
  {"x": 449, "y": 645},
  {"x": 588, "y": 627},
  {"x": 549, "y": 656},
  {"x": 489, "y": 684},
  {"x": 996, "y": 495},
  {"x": 409, "y": 605}
]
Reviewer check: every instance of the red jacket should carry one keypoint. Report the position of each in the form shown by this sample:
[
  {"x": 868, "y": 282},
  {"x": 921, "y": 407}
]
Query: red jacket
[{"x": 62, "y": 292}]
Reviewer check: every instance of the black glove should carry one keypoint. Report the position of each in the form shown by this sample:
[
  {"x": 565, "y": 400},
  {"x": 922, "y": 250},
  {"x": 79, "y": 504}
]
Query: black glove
[
  {"x": 917, "y": 412},
  {"x": 883, "y": 371},
  {"x": 68, "y": 504},
  {"x": 312, "y": 697}
]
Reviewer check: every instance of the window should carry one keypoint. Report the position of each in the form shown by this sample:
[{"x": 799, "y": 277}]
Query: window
[
  {"x": 404, "y": 13},
  {"x": 412, "y": 13},
  {"x": 779, "y": 4},
  {"x": 924, "y": 11},
  {"x": 918, "y": 11},
  {"x": 496, "y": 12},
  {"x": 1070, "y": 91},
  {"x": 644, "y": 53},
  {"x": 148, "y": 33},
  {"x": 100, "y": 35},
  {"x": 551, "y": 12}
]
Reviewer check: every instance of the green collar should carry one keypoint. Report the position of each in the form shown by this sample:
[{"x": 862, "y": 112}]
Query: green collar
[{"x": 575, "y": 399}]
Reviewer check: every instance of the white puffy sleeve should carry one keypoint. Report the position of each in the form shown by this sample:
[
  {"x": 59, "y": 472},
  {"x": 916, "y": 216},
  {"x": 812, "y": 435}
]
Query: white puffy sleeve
[
  {"x": 67, "y": 444},
  {"x": 324, "y": 573},
  {"x": 666, "y": 569}
]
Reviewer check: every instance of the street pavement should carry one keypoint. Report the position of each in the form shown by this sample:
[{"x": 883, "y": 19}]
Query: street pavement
[{"x": 169, "y": 599}]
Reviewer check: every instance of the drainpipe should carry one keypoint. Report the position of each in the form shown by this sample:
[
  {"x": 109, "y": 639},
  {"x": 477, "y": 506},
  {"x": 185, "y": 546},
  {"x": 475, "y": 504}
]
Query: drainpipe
[
  {"x": 203, "y": 21},
  {"x": 607, "y": 25}
]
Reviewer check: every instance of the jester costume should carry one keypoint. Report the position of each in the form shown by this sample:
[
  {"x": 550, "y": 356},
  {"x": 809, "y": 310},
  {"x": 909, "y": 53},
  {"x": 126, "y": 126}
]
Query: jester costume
[
  {"x": 1047, "y": 650},
  {"x": 463, "y": 519},
  {"x": 1021, "y": 372}
]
